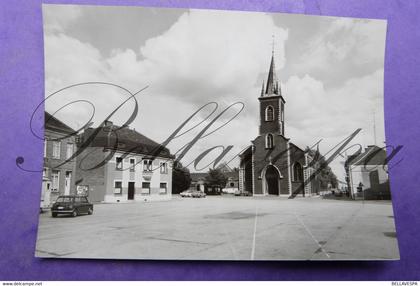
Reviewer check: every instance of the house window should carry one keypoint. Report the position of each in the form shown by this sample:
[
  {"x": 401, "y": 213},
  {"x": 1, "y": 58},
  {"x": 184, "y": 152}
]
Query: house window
[
  {"x": 232, "y": 184},
  {"x": 118, "y": 187},
  {"x": 132, "y": 164},
  {"x": 269, "y": 141},
  {"x": 119, "y": 163},
  {"x": 269, "y": 113},
  {"x": 163, "y": 168},
  {"x": 147, "y": 165},
  {"x": 45, "y": 148},
  {"x": 55, "y": 180},
  {"x": 145, "y": 188},
  {"x": 56, "y": 149},
  {"x": 44, "y": 172},
  {"x": 163, "y": 188},
  {"x": 282, "y": 114},
  {"x": 70, "y": 150},
  {"x": 297, "y": 172}
]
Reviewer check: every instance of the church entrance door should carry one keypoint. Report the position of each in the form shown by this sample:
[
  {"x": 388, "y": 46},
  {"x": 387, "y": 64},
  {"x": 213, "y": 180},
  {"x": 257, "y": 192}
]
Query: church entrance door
[{"x": 272, "y": 180}]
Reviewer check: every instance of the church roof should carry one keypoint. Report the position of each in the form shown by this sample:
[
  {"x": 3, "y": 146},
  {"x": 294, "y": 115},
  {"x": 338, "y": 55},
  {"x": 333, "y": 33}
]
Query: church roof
[
  {"x": 296, "y": 146},
  {"x": 246, "y": 152}
]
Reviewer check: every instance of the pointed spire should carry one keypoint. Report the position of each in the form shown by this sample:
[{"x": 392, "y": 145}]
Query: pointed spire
[
  {"x": 262, "y": 89},
  {"x": 271, "y": 78}
]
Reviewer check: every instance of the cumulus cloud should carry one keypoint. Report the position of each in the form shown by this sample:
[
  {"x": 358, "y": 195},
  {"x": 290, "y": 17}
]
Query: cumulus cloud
[
  {"x": 314, "y": 112},
  {"x": 347, "y": 47},
  {"x": 205, "y": 56}
]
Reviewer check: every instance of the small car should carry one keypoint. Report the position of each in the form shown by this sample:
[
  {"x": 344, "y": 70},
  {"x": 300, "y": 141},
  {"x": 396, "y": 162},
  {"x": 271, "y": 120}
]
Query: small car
[
  {"x": 198, "y": 194},
  {"x": 71, "y": 205},
  {"x": 187, "y": 193},
  {"x": 242, "y": 193}
]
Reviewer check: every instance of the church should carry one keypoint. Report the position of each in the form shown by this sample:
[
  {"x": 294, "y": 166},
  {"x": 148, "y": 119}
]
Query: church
[{"x": 272, "y": 164}]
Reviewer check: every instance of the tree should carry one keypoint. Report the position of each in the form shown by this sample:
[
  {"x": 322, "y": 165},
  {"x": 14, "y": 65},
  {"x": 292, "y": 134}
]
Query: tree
[
  {"x": 215, "y": 177},
  {"x": 324, "y": 175},
  {"x": 333, "y": 180},
  {"x": 181, "y": 178}
]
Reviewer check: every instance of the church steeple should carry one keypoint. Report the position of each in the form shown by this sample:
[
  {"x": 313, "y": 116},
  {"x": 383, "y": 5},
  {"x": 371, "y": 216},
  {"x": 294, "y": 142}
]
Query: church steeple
[
  {"x": 271, "y": 77},
  {"x": 272, "y": 87},
  {"x": 271, "y": 104}
]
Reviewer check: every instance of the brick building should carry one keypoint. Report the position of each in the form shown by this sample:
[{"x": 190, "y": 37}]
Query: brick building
[
  {"x": 272, "y": 164},
  {"x": 58, "y": 176},
  {"x": 118, "y": 164}
]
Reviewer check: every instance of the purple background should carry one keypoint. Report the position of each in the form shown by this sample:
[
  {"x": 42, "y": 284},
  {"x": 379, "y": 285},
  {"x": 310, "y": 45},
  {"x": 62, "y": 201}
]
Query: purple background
[{"x": 22, "y": 87}]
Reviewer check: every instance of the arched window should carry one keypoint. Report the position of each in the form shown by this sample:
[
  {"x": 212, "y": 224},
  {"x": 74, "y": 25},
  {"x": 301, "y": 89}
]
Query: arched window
[
  {"x": 269, "y": 113},
  {"x": 297, "y": 172},
  {"x": 269, "y": 141}
]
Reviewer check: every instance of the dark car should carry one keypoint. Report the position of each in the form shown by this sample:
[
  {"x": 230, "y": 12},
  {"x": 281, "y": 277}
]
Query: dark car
[
  {"x": 71, "y": 205},
  {"x": 198, "y": 194}
]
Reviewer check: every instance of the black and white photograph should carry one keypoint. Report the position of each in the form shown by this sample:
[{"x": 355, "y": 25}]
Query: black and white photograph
[{"x": 187, "y": 134}]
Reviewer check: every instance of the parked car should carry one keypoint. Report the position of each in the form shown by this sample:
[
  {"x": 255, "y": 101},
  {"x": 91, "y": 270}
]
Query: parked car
[
  {"x": 187, "y": 193},
  {"x": 71, "y": 205},
  {"x": 242, "y": 193},
  {"x": 213, "y": 190},
  {"x": 198, "y": 194}
]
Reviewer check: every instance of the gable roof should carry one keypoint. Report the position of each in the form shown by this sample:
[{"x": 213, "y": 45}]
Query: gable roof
[
  {"x": 232, "y": 175},
  {"x": 197, "y": 176},
  {"x": 52, "y": 123},
  {"x": 124, "y": 139},
  {"x": 373, "y": 155},
  {"x": 224, "y": 168}
]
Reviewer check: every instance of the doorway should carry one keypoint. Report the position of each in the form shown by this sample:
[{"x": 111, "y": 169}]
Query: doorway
[
  {"x": 272, "y": 180},
  {"x": 131, "y": 191},
  {"x": 67, "y": 183}
]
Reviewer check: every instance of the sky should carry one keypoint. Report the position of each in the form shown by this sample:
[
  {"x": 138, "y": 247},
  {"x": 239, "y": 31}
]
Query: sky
[{"x": 330, "y": 72}]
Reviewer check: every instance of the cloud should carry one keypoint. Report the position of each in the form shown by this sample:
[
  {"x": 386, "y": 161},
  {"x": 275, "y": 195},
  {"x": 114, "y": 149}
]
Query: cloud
[
  {"x": 314, "y": 112},
  {"x": 59, "y": 18},
  {"x": 347, "y": 47},
  {"x": 205, "y": 56}
]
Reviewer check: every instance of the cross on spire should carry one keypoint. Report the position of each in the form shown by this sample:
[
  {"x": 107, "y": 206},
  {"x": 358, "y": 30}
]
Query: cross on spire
[{"x": 272, "y": 46}]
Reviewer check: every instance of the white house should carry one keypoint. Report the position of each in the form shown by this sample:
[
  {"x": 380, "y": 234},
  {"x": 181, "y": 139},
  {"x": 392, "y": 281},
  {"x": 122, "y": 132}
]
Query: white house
[{"x": 367, "y": 174}]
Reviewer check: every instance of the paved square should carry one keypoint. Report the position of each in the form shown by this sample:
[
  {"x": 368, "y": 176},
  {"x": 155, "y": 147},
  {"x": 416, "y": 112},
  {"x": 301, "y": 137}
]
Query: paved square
[{"x": 226, "y": 227}]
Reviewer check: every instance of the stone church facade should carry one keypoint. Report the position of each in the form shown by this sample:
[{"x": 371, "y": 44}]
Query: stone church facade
[{"x": 272, "y": 164}]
